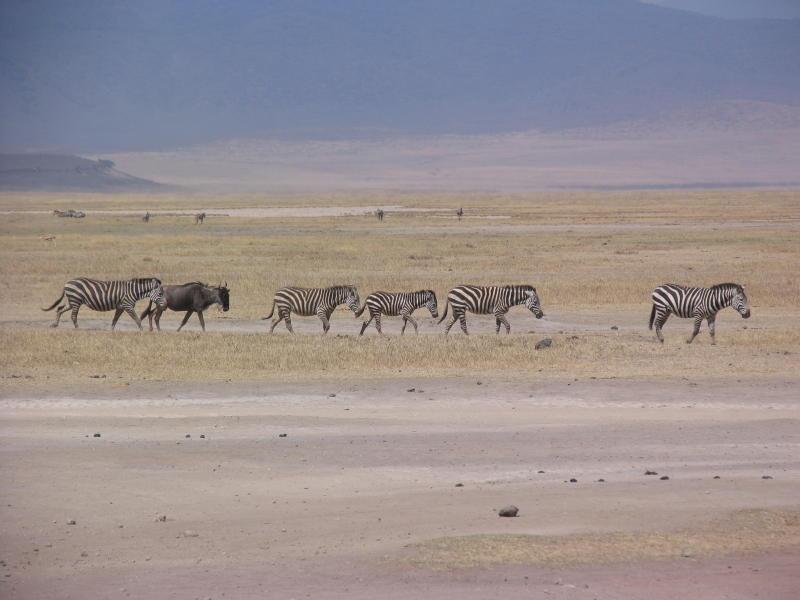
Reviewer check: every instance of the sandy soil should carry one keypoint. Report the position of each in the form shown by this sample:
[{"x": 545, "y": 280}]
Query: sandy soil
[{"x": 324, "y": 490}]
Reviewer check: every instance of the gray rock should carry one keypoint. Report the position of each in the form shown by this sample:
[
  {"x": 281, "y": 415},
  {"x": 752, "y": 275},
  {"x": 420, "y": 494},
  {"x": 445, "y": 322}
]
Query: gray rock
[
  {"x": 508, "y": 511},
  {"x": 72, "y": 522},
  {"x": 545, "y": 343}
]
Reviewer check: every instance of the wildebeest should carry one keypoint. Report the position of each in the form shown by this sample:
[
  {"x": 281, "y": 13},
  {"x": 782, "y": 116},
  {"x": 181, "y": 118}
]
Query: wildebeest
[
  {"x": 379, "y": 214},
  {"x": 460, "y": 213},
  {"x": 146, "y": 217},
  {"x": 192, "y": 297},
  {"x": 199, "y": 218}
]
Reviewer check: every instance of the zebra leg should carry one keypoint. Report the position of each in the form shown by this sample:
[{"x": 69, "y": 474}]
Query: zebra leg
[
  {"x": 288, "y": 318},
  {"x": 159, "y": 312},
  {"x": 188, "y": 314},
  {"x": 134, "y": 316},
  {"x": 75, "y": 316},
  {"x": 280, "y": 317},
  {"x": 378, "y": 323},
  {"x": 202, "y": 320},
  {"x": 452, "y": 322},
  {"x": 406, "y": 320},
  {"x": 117, "y": 315},
  {"x": 661, "y": 318},
  {"x": 463, "y": 320},
  {"x": 712, "y": 320},
  {"x": 61, "y": 311},
  {"x": 365, "y": 324},
  {"x": 698, "y": 320},
  {"x": 501, "y": 319}
]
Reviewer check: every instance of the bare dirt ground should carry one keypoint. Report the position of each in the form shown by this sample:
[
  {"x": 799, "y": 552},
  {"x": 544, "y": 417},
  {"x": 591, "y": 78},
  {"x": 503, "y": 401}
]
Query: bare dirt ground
[{"x": 336, "y": 489}]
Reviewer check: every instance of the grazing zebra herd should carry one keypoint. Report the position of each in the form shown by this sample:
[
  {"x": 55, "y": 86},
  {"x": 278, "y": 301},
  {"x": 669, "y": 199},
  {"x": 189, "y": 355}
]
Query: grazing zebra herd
[{"x": 121, "y": 296}]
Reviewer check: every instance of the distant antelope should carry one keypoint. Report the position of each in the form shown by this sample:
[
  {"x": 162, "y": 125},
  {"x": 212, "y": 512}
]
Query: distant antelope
[
  {"x": 199, "y": 218},
  {"x": 48, "y": 238},
  {"x": 379, "y": 214},
  {"x": 146, "y": 217},
  {"x": 460, "y": 213}
]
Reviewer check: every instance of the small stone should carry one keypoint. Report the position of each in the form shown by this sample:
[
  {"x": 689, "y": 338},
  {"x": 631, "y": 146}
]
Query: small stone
[
  {"x": 331, "y": 395},
  {"x": 716, "y": 476},
  {"x": 650, "y": 473},
  {"x": 188, "y": 435},
  {"x": 411, "y": 390},
  {"x": 84, "y": 554},
  {"x": 479, "y": 383},
  {"x": 664, "y": 478},
  {"x": 96, "y": 435},
  {"x": 202, "y": 436},
  {"x": 281, "y": 435},
  {"x": 459, "y": 485},
  {"x": 160, "y": 518},
  {"x": 614, "y": 328},
  {"x": 573, "y": 480},
  {"x": 601, "y": 481},
  {"x": 508, "y": 511},
  {"x": 72, "y": 522},
  {"x": 545, "y": 343},
  {"x": 766, "y": 477},
  {"x": 540, "y": 471}
]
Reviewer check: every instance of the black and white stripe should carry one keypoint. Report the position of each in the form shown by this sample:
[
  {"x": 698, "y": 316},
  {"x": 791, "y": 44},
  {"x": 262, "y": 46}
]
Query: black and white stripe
[
  {"x": 120, "y": 296},
  {"x": 697, "y": 303},
  {"x": 393, "y": 304},
  {"x": 496, "y": 300},
  {"x": 307, "y": 302}
]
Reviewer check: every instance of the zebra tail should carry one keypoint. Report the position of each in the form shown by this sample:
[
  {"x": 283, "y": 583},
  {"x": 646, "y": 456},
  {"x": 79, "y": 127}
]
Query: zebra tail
[
  {"x": 446, "y": 307},
  {"x": 360, "y": 310},
  {"x": 61, "y": 297},
  {"x": 652, "y": 316},
  {"x": 269, "y": 316}
]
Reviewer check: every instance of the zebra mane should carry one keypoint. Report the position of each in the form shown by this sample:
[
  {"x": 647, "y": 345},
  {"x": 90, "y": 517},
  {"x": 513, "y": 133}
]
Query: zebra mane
[
  {"x": 146, "y": 280},
  {"x": 728, "y": 287}
]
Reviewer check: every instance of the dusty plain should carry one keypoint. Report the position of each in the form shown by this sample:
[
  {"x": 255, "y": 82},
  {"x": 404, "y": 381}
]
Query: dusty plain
[{"x": 241, "y": 465}]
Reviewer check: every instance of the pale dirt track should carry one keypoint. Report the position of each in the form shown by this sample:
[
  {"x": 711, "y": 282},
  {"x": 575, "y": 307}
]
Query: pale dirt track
[{"x": 329, "y": 510}]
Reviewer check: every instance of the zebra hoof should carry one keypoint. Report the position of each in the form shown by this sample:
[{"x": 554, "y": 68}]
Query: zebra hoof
[{"x": 53, "y": 325}]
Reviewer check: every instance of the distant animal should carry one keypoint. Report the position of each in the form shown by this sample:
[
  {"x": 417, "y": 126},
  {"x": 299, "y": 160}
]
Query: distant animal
[
  {"x": 379, "y": 214},
  {"x": 146, "y": 217},
  {"x": 497, "y": 300},
  {"x": 392, "y": 304},
  {"x": 75, "y": 214},
  {"x": 192, "y": 297},
  {"x": 697, "y": 303},
  {"x": 199, "y": 218},
  {"x": 120, "y": 296},
  {"x": 48, "y": 238},
  {"x": 311, "y": 301},
  {"x": 460, "y": 213}
]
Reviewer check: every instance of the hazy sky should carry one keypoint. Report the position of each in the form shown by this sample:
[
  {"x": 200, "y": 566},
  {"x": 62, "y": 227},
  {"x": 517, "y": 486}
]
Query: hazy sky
[{"x": 737, "y": 9}]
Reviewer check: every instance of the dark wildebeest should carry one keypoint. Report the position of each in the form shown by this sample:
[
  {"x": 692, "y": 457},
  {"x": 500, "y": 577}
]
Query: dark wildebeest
[
  {"x": 193, "y": 297},
  {"x": 379, "y": 214},
  {"x": 199, "y": 218},
  {"x": 146, "y": 217},
  {"x": 460, "y": 213}
]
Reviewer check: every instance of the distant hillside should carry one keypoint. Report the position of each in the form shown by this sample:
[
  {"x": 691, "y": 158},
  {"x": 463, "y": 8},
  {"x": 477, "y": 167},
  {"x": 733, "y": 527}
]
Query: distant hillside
[
  {"x": 59, "y": 172},
  {"x": 109, "y": 75}
]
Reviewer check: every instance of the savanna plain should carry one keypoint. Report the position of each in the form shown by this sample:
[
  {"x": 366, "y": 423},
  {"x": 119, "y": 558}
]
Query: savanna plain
[{"x": 238, "y": 464}]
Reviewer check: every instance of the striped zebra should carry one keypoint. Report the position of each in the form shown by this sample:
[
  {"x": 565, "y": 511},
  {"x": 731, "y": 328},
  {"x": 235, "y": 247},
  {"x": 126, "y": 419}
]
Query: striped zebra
[
  {"x": 697, "y": 303},
  {"x": 393, "y": 304},
  {"x": 496, "y": 300},
  {"x": 108, "y": 295},
  {"x": 307, "y": 302}
]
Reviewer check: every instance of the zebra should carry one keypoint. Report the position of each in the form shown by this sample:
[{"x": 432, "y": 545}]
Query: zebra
[
  {"x": 108, "y": 295},
  {"x": 146, "y": 217},
  {"x": 393, "y": 304},
  {"x": 496, "y": 299},
  {"x": 698, "y": 303},
  {"x": 199, "y": 218},
  {"x": 311, "y": 301}
]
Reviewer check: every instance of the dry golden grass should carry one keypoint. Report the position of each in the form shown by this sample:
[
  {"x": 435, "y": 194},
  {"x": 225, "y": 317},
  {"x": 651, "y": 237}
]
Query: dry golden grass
[
  {"x": 744, "y": 531},
  {"x": 587, "y": 253}
]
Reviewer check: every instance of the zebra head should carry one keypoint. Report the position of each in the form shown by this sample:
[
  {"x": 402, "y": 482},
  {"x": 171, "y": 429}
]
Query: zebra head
[
  {"x": 351, "y": 298},
  {"x": 157, "y": 294},
  {"x": 532, "y": 303},
  {"x": 739, "y": 302},
  {"x": 430, "y": 303}
]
